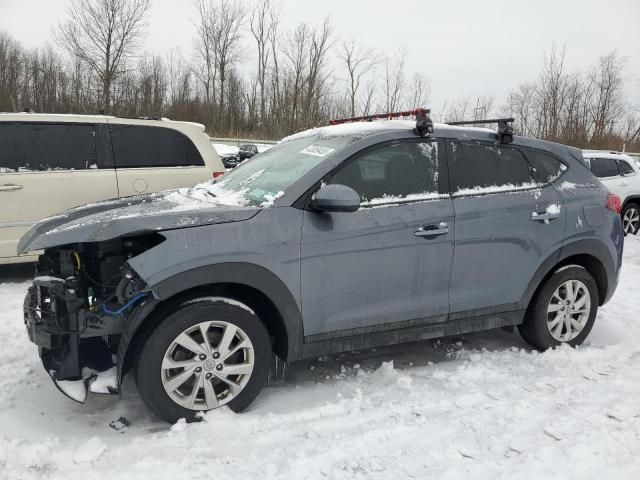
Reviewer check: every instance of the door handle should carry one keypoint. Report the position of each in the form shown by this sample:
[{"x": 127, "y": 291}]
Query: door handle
[
  {"x": 10, "y": 187},
  {"x": 432, "y": 230},
  {"x": 543, "y": 217}
]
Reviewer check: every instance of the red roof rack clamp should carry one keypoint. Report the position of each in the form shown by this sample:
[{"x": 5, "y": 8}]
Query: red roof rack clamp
[{"x": 424, "y": 124}]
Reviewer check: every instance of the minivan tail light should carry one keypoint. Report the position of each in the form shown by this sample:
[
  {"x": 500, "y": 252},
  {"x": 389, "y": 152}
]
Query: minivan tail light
[
  {"x": 614, "y": 203},
  {"x": 217, "y": 174}
]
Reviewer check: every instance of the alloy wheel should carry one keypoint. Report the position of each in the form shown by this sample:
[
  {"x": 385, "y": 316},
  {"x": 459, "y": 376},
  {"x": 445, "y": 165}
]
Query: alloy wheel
[
  {"x": 568, "y": 310},
  {"x": 207, "y": 365},
  {"x": 631, "y": 220}
]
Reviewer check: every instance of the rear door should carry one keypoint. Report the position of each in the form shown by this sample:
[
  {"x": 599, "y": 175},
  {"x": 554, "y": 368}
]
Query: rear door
[
  {"x": 389, "y": 262},
  {"x": 509, "y": 219},
  {"x": 155, "y": 158},
  {"x": 46, "y": 168}
]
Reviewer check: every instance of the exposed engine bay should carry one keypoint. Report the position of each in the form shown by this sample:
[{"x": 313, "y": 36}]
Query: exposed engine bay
[{"x": 79, "y": 302}]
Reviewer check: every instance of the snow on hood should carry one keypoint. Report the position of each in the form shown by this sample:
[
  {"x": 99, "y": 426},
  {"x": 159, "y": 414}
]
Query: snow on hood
[{"x": 205, "y": 204}]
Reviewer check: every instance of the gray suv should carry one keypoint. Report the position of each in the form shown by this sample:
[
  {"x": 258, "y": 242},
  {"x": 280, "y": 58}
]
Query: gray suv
[{"x": 339, "y": 238}]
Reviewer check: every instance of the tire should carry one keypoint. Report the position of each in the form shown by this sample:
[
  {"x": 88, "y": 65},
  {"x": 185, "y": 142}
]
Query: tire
[
  {"x": 156, "y": 377},
  {"x": 545, "y": 329},
  {"x": 630, "y": 218}
]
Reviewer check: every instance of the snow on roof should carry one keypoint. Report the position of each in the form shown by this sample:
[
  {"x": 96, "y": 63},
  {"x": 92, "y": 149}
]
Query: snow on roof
[{"x": 369, "y": 128}]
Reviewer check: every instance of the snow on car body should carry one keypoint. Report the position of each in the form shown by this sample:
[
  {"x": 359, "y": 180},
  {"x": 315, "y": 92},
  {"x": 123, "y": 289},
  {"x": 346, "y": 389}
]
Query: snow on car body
[{"x": 338, "y": 238}]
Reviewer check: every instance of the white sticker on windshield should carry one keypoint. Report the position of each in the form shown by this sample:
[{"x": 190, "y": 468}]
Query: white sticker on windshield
[{"x": 317, "y": 151}]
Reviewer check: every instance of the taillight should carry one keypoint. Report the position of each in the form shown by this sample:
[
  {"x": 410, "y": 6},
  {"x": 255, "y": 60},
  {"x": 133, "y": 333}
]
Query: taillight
[
  {"x": 217, "y": 174},
  {"x": 614, "y": 203}
]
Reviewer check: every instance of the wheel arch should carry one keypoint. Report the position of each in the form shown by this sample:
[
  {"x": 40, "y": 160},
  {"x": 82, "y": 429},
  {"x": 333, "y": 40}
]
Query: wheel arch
[
  {"x": 596, "y": 262},
  {"x": 631, "y": 199},
  {"x": 255, "y": 286}
]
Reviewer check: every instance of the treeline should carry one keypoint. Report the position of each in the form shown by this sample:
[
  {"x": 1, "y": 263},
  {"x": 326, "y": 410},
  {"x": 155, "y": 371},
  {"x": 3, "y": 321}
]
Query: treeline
[{"x": 293, "y": 79}]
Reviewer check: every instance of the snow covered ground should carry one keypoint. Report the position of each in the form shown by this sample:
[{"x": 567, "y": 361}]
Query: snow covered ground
[
  {"x": 224, "y": 149},
  {"x": 479, "y": 406}
]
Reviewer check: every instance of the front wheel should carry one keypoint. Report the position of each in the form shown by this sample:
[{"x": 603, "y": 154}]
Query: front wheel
[
  {"x": 631, "y": 219},
  {"x": 563, "y": 309},
  {"x": 209, "y": 352}
]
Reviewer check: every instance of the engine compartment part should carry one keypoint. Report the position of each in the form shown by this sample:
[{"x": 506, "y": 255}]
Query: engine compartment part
[{"x": 76, "y": 308}]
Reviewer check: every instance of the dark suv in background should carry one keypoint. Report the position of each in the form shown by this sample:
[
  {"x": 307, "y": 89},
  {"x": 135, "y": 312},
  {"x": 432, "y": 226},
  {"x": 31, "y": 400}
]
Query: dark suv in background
[
  {"x": 246, "y": 151},
  {"x": 338, "y": 238}
]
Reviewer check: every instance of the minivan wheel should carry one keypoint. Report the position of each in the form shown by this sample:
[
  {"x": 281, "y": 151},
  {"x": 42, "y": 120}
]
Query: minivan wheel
[
  {"x": 631, "y": 219},
  {"x": 563, "y": 309},
  {"x": 208, "y": 353}
]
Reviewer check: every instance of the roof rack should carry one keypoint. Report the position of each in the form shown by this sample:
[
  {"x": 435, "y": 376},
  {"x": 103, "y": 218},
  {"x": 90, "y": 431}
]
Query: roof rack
[
  {"x": 134, "y": 117},
  {"x": 424, "y": 124},
  {"x": 505, "y": 131}
]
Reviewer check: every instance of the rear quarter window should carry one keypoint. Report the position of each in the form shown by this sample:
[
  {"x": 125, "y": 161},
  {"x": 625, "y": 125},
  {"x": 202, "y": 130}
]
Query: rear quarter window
[
  {"x": 136, "y": 146},
  {"x": 604, "y": 167}
]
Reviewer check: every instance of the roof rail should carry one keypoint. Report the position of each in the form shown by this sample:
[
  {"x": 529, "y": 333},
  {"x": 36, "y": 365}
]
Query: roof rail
[
  {"x": 424, "y": 124},
  {"x": 505, "y": 131},
  {"x": 134, "y": 117}
]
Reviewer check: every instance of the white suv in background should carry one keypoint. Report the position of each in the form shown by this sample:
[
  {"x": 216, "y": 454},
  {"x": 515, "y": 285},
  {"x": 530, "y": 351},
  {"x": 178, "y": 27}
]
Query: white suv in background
[
  {"x": 621, "y": 174},
  {"x": 49, "y": 163}
]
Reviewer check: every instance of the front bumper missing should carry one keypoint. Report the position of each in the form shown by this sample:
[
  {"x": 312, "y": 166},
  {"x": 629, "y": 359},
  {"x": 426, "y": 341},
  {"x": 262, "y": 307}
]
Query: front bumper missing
[{"x": 72, "y": 351}]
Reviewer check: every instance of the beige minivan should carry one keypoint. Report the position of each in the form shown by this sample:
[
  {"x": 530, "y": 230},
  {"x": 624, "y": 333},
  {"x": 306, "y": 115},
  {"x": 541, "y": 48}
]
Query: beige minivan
[{"x": 49, "y": 163}]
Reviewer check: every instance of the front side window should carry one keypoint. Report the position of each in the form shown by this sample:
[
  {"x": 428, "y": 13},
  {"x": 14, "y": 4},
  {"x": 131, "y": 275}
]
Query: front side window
[
  {"x": 477, "y": 167},
  {"x": 139, "y": 146},
  {"x": 39, "y": 147},
  {"x": 604, "y": 167},
  {"x": 397, "y": 171},
  {"x": 625, "y": 168}
]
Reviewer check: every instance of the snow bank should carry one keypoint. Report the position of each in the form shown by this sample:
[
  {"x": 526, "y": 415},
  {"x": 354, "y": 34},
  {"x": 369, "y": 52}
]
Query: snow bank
[{"x": 477, "y": 406}]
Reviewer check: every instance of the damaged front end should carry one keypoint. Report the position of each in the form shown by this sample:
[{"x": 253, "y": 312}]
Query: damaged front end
[{"x": 76, "y": 310}]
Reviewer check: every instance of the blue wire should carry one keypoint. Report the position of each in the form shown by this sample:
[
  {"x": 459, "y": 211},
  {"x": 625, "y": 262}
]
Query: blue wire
[{"x": 120, "y": 311}]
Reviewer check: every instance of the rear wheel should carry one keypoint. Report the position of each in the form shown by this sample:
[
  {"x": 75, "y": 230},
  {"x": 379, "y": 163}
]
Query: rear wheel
[
  {"x": 210, "y": 352},
  {"x": 631, "y": 219},
  {"x": 563, "y": 309}
]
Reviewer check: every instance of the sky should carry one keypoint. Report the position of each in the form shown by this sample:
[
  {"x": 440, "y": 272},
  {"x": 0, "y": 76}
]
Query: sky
[{"x": 467, "y": 48}]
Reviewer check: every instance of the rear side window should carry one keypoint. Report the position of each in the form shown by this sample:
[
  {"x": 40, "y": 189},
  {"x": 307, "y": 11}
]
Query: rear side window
[
  {"x": 546, "y": 168},
  {"x": 392, "y": 172},
  {"x": 604, "y": 167},
  {"x": 625, "y": 168},
  {"x": 39, "y": 147},
  {"x": 136, "y": 146},
  {"x": 476, "y": 166}
]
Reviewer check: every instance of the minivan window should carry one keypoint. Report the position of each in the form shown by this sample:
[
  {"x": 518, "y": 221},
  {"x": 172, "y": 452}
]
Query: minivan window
[
  {"x": 392, "y": 172},
  {"x": 474, "y": 166},
  {"x": 604, "y": 167},
  {"x": 625, "y": 168},
  {"x": 138, "y": 146},
  {"x": 33, "y": 147}
]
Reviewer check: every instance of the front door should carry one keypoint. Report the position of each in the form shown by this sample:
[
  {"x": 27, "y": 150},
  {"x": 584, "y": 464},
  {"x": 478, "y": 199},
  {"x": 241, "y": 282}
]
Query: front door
[
  {"x": 46, "y": 168},
  {"x": 387, "y": 264},
  {"x": 509, "y": 220}
]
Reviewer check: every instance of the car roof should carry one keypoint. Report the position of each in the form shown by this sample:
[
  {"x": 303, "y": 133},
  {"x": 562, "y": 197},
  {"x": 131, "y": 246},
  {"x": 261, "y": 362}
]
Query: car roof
[
  {"x": 363, "y": 129},
  {"x": 606, "y": 154},
  {"x": 76, "y": 118}
]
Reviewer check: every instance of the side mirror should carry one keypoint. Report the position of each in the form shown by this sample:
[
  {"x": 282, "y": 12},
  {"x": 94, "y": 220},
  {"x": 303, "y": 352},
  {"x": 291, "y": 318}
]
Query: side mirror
[{"x": 335, "y": 198}]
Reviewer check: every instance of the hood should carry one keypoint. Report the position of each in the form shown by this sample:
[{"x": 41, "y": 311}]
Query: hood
[{"x": 131, "y": 216}]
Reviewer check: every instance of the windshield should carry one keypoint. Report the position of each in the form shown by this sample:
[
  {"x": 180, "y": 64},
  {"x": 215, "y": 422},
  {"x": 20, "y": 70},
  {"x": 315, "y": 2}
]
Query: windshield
[{"x": 265, "y": 177}]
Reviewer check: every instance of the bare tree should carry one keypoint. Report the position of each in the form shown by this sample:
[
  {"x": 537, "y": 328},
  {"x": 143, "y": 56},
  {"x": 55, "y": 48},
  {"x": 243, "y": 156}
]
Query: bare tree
[
  {"x": 103, "y": 34},
  {"x": 263, "y": 22},
  {"x": 394, "y": 79},
  {"x": 230, "y": 16},
  {"x": 359, "y": 62}
]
